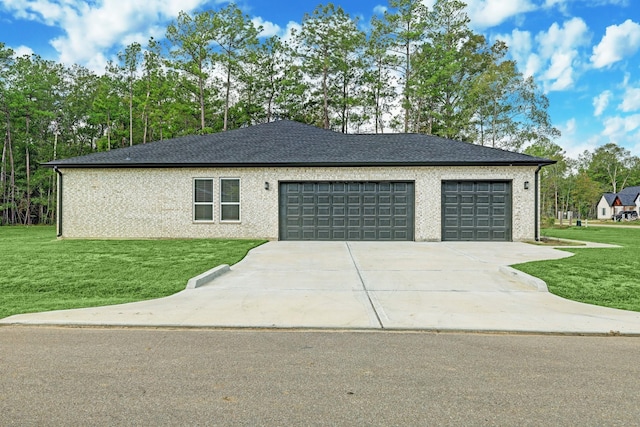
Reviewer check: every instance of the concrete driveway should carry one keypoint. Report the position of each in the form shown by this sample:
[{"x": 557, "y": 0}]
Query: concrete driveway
[{"x": 367, "y": 285}]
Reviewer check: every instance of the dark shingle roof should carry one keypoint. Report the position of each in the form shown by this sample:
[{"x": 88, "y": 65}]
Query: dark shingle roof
[
  {"x": 627, "y": 199},
  {"x": 627, "y": 196},
  {"x": 609, "y": 198},
  {"x": 630, "y": 190},
  {"x": 287, "y": 143}
]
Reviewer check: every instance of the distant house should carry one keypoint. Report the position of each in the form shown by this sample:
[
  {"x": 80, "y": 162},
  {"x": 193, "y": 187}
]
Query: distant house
[
  {"x": 627, "y": 199},
  {"x": 289, "y": 181}
]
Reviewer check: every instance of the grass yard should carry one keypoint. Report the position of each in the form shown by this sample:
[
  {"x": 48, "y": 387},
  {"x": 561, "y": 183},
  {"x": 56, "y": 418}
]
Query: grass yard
[
  {"x": 607, "y": 277},
  {"x": 40, "y": 273}
]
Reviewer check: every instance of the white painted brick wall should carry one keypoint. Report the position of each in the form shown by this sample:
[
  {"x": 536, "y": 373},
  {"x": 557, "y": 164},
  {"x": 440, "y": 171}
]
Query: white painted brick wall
[{"x": 158, "y": 203}]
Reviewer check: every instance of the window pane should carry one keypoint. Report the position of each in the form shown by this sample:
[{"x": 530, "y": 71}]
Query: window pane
[
  {"x": 230, "y": 213},
  {"x": 204, "y": 213},
  {"x": 204, "y": 190},
  {"x": 230, "y": 190}
]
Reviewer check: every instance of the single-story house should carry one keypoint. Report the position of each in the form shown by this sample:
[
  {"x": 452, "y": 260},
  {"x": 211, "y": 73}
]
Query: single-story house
[
  {"x": 289, "y": 181},
  {"x": 627, "y": 199}
]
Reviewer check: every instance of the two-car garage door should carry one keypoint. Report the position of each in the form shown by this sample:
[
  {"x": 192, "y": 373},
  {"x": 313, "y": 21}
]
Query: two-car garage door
[
  {"x": 471, "y": 210},
  {"x": 346, "y": 210}
]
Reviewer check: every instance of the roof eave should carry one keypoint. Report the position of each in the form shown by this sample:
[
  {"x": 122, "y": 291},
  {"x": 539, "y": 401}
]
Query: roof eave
[{"x": 129, "y": 165}]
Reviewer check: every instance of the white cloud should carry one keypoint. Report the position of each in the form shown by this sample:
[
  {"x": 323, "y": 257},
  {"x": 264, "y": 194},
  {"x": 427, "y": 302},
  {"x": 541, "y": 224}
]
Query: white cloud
[
  {"x": 22, "y": 51},
  {"x": 561, "y": 5},
  {"x": 292, "y": 27},
  {"x": 630, "y": 100},
  {"x": 559, "y": 75},
  {"x": 574, "y": 146},
  {"x": 573, "y": 33},
  {"x": 91, "y": 29},
  {"x": 533, "y": 65},
  {"x": 601, "y": 102},
  {"x": 268, "y": 28},
  {"x": 551, "y": 56},
  {"x": 619, "y": 41},
  {"x": 558, "y": 50},
  {"x": 617, "y": 127},
  {"x": 489, "y": 13},
  {"x": 380, "y": 9},
  {"x": 519, "y": 43},
  {"x": 570, "y": 127}
]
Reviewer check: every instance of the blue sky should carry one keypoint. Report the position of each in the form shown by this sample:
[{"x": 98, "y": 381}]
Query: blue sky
[{"x": 584, "y": 54}]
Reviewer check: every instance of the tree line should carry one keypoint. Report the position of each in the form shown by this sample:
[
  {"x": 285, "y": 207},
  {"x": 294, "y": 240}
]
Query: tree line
[
  {"x": 577, "y": 185},
  {"x": 413, "y": 69}
]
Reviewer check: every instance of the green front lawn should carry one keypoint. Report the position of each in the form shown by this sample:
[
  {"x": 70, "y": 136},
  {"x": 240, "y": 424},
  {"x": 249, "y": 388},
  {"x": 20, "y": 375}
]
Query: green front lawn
[
  {"x": 607, "y": 277},
  {"x": 40, "y": 273}
]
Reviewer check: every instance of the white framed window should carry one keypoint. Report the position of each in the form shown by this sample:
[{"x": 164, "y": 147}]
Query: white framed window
[
  {"x": 230, "y": 199},
  {"x": 203, "y": 199}
]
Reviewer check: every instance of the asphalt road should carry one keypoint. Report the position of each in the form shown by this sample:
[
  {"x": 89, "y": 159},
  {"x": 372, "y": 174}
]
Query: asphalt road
[{"x": 67, "y": 377}]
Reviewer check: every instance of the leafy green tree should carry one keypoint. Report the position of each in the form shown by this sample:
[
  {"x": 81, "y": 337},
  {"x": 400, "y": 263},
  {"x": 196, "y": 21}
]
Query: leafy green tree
[
  {"x": 329, "y": 45},
  {"x": 552, "y": 177},
  {"x": 585, "y": 194},
  {"x": 446, "y": 66},
  {"x": 191, "y": 52},
  {"x": 405, "y": 25},
  {"x": 130, "y": 61},
  {"x": 378, "y": 80},
  {"x": 235, "y": 37},
  {"x": 611, "y": 166},
  {"x": 7, "y": 165}
]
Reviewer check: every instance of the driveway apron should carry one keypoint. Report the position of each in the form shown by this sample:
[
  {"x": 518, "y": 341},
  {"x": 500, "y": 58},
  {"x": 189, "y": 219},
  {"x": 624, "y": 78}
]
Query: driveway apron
[{"x": 443, "y": 286}]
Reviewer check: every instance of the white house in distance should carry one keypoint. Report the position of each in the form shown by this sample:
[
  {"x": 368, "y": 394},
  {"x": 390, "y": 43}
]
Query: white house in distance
[
  {"x": 627, "y": 199},
  {"x": 289, "y": 181}
]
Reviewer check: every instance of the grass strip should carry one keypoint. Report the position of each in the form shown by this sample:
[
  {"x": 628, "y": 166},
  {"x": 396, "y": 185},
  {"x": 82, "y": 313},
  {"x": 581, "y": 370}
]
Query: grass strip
[{"x": 40, "y": 273}]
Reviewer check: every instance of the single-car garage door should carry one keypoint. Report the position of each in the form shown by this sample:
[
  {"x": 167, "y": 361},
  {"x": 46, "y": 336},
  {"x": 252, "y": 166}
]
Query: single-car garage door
[
  {"x": 476, "y": 210},
  {"x": 346, "y": 210}
]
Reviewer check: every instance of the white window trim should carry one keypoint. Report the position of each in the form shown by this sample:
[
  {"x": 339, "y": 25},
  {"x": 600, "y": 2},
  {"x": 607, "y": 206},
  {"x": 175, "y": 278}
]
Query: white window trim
[
  {"x": 212, "y": 203},
  {"x": 238, "y": 203}
]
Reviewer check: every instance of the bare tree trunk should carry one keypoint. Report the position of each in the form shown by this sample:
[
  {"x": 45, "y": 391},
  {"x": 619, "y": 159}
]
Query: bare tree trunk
[
  {"x": 325, "y": 93},
  {"x": 201, "y": 89},
  {"x": 12, "y": 181},
  {"x": 406, "y": 83},
  {"x": 3, "y": 181},
  {"x": 227, "y": 95},
  {"x": 270, "y": 99},
  {"x": 108, "y": 131},
  {"x": 130, "y": 111},
  {"x": 28, "y": 207},
  {"x": 345, "y": 95}
]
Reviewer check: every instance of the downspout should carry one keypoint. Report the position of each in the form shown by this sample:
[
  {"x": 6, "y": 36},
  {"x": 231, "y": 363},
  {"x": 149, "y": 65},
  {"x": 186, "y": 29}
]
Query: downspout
[
  {"x": 537, "y": 203},
  {"x": 59, "y": 207}
]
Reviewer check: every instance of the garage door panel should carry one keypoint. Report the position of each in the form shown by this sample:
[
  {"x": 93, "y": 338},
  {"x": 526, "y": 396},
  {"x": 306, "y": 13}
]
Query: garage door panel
[
  {"x": 500, "y": 187},
  {"x": 369, "y": 211},
  {"x": 370, "y": 200},
  {"x": 466, "y": 187},
  {"x": 483, "y": 187},
  {"x": 484, "y": 222},
  {"x": 467, "y": 210},
  {"x": 476, "y": 210},
  {"x": 450, "y": 199},
  {"x": 467, "y": 222},
  {"x": 347, "y": 210},
  {"x": 499, "y": 223},
  {"x": 354, "y": 223}
]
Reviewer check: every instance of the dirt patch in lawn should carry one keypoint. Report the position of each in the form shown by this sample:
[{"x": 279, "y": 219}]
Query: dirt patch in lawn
[{"x": 553, "y": 241}]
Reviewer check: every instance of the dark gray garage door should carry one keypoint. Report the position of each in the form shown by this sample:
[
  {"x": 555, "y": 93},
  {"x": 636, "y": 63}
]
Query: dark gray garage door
[
  {"x": 476, "y": 210},
  {"x": 346, "y": 210}
]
